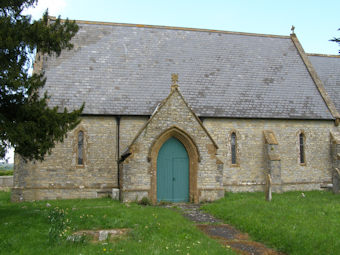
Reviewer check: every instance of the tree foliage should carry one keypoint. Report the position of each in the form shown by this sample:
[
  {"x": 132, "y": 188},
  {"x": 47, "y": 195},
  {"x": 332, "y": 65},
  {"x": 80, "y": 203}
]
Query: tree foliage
[
  {"x": 336, "y": 40},
  {"x": 26, "y": 121}
]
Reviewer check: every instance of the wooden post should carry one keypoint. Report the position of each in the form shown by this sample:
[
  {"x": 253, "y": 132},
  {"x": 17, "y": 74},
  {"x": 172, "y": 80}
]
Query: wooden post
[{"x": 269, "y": 188}]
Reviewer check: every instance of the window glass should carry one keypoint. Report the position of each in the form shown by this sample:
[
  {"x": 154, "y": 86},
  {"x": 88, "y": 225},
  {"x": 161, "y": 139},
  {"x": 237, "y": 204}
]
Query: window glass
[
  {"x": 233, "y": 148},
  {"x": 80, "y": 147},
  {"x": 302, "y": 148}
]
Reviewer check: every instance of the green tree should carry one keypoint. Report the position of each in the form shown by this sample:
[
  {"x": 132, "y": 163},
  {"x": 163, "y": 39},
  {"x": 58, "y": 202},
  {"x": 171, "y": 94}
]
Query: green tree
[
  {"x": 336, "y": 40},
  {"x": 26, "y": 121}
]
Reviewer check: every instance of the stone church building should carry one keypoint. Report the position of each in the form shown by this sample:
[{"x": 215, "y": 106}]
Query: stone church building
[{"x": 184, "y": 115}]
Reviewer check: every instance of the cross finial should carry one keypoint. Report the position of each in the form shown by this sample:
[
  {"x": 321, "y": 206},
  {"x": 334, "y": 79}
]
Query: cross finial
[
  {"x": 174, "y": 79},
  {"x": 293, "y": 28}
]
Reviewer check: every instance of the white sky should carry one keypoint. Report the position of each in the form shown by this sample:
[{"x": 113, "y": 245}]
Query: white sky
[
  {"x": 55, "y": 8},
  {"x": 316, "y": 21}
]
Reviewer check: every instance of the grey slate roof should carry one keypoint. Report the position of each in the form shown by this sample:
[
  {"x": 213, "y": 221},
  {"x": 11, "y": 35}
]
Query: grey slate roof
[
  {"x": 328, "y": 69},
  {"x": 126, "y": 70}
]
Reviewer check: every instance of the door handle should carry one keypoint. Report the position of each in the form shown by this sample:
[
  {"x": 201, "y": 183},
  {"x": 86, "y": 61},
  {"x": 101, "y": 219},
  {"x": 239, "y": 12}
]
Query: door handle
[{"x": 173, "y": 179}]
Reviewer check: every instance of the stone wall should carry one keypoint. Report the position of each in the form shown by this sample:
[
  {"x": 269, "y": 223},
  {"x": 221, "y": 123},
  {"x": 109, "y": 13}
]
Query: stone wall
[
  {"x": 248, "y": 175},
  {"x": 335, "y": 155},
  {"x": 59, "y": 176},
  {"x": 129, "y": 127},
  {"x": 6, "y": 182},
  {"x": 138, "y": 170}
]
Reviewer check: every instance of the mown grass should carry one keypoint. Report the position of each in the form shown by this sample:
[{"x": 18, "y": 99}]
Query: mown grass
[
  {"x": 24, "y": 228},
  {"x": 293, "y": 222},
  {"x": 6, "y": 172}
]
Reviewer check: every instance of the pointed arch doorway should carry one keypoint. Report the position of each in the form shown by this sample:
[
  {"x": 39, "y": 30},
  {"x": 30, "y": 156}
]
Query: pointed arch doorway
[
  {"x": 173, "y": 172},
  {"x": 193, "y": 158}
]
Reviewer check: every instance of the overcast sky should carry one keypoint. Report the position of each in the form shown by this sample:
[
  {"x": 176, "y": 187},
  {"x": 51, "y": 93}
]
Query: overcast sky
[{"x": 316, "y": 21}]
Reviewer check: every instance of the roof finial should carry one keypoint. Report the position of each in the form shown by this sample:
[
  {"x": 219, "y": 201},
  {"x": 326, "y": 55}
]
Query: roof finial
[
  {"x": 293, "y": 28},
  {"x": 174, "y": 79}
]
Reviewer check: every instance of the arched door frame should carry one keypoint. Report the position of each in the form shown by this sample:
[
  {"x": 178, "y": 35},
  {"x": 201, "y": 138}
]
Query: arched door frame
[{"x": 193, "y": 154}]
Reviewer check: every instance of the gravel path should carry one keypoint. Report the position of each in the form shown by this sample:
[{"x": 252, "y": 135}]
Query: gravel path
[{"x": 226, "y": 234}]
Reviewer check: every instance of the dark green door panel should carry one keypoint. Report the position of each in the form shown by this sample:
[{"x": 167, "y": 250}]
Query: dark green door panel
[
  {"x": 173, "y": 172},
  {"x": 181, "y": 179}
]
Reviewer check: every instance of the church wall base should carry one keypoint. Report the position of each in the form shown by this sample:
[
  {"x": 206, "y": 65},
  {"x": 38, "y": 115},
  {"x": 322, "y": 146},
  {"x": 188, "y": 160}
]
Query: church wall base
[
  {"x": 284, "y": 187},
  {"x": 210, "y": 195},
  {"x": 134, "y": 196},
  {"x": 21, "y": 195}
]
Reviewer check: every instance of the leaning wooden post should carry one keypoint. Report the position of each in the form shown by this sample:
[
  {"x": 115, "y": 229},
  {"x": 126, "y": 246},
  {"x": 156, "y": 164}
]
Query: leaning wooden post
[{"x": 269, "y": 188}]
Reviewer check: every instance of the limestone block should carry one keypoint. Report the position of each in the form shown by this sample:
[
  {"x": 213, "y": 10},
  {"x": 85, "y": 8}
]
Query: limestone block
[{"x": 115, "y": 194}]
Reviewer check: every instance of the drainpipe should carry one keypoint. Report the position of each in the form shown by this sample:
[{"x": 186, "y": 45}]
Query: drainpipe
[{"x": 118, "y": 152}]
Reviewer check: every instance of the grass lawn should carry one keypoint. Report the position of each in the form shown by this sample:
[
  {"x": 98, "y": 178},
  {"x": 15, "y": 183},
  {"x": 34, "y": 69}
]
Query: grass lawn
[
  {"x": 291, "y": 222},
  {"x": 6, "y": 172},
  {"x": 24, "y": 228}
]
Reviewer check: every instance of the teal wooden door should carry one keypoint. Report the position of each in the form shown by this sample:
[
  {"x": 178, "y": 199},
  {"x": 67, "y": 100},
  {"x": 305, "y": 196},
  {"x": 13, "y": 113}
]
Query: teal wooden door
[{"x": 173, "y": 172}]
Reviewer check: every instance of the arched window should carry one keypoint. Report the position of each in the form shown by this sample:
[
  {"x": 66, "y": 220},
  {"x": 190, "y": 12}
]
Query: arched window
[
  {"x": 233, "y": 145},
  {"x": 302, "y": 143},
  {"x": 80, "y": 154}
]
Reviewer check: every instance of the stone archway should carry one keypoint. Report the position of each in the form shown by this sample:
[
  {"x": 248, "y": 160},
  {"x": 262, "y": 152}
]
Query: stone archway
[{"x": 193, "y": 154}]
